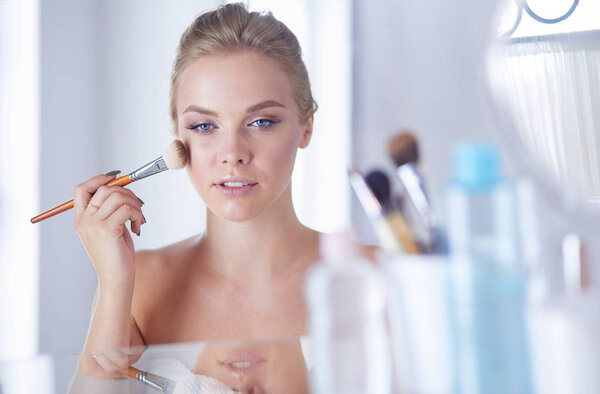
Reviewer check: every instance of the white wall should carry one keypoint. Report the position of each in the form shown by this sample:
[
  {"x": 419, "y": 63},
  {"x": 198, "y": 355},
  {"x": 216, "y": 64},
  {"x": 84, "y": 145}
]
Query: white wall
[
  {"x": 19, "y": 177},
  {"x": 68, "y": 155}
]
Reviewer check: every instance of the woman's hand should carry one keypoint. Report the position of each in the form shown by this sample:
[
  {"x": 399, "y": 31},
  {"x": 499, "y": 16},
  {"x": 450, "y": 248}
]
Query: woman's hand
[{"x": 101, "y": 213}]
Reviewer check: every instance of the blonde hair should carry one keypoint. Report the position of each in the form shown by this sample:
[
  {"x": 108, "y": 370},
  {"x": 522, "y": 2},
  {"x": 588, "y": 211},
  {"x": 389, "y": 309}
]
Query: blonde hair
[{"x": 231, "y": 28}]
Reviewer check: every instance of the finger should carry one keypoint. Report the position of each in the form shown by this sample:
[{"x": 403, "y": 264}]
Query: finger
[
  {"x": 104, "y": 191},
  {"x": 84, "y": 191},
  {"x": 109, "y": 366},
  {"x": 96, "y": 365},
  {"x": 115, "y": 201},
  {"x": 105, "y": 194},
  {"x": 124, "y": 213}
]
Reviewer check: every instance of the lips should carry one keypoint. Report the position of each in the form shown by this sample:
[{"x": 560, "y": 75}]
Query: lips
[
  {"x": 235, "y": 179},
  {"x": 233, "y": 186},
  {"x": 243, "y": 364}
]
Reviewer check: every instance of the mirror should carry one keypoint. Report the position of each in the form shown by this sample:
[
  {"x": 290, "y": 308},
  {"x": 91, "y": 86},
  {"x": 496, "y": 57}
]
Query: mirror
[
  {"x": 544, "y": 70},
  {"x": 280, "y": 365}
]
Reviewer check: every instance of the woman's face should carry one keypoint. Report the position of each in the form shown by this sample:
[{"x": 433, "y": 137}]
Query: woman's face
[{"x": 240, "y": 123}]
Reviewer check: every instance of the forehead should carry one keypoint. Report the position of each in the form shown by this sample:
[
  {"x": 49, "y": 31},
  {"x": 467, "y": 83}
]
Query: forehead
[{"x": 233, "y": 81}]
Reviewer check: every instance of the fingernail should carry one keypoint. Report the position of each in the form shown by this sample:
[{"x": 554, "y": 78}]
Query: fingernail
[
  {"x": 139, "y": 232},
  {"x": 144, "y": 218},
  {"x": 141, "y": 200},
  {"x": 115, "y": 172}
]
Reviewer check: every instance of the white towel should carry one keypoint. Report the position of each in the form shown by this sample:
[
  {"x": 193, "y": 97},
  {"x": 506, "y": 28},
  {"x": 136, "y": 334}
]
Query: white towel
[{"x": 187, "y": 381}]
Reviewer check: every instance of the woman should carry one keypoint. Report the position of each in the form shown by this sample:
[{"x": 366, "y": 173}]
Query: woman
[{"x": 242, "y": 105}]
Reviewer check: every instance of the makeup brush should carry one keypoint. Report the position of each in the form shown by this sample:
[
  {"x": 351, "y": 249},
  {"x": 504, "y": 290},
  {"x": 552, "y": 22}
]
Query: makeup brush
[
  {"x": 374, "y": 211},
  {"x": 195, "y": 384},
  {"x": 174, "y": 158},
  {"x": 379, "y": 184},
  {"x": 159, "y": 383},
  {"x": 404, "y": 151}
]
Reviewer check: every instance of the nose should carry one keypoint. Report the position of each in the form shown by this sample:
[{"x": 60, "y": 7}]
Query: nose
[{"x": 235, "y": 150}]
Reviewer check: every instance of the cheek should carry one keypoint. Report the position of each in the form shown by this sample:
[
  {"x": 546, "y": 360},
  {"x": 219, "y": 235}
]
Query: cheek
[
  {"x": 284, "y": 159},
  {"x": 283, "y": 156},
  {"x": 279, "y": 165},
  {"x": 198, "y": 168}
]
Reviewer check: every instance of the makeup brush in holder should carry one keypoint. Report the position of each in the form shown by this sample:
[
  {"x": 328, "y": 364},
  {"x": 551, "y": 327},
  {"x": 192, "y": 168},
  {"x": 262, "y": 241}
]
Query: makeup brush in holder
[{"x": 404, "y": 151}]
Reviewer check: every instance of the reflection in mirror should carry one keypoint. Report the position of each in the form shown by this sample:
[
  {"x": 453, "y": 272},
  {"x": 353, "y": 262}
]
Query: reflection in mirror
[
  {"x": 256, "y": 367},
  {"x": 265, "y": 366},
  {"x": 545, "y": 69}
]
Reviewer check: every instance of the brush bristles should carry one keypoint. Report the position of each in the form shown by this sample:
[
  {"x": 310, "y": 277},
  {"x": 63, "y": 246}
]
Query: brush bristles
[
  {"x": 176, "y": 155},
  {"x": 404, "y": 149},
  {"x": 379, "y": 184}
]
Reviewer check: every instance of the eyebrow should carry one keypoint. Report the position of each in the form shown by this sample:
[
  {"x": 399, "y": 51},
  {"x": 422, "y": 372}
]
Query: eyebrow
[{"x": 254, "y": 108}]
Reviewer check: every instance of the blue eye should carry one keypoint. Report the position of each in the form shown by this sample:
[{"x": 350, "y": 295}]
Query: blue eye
[
  {"x": 200, "y": 127},
  {"x": 264, "y": 123}
]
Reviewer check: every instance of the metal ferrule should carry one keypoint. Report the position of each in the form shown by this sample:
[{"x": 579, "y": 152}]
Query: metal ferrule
[
  {"x": 154, "y": 381},
  {"x": 154, "y": 167},
  {"x": 412, "y": 183}
]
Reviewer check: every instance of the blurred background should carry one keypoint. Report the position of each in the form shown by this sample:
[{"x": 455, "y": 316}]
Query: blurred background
[{"x": 84, "y": 90}]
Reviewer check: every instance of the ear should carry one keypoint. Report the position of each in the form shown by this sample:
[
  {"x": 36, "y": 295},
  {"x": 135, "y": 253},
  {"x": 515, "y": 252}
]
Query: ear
[{"x": 307, "y": 129}]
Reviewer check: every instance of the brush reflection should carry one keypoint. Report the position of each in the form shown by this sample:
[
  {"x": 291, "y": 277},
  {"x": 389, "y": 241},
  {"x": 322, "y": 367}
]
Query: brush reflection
[{"x": 256, "y": 367}]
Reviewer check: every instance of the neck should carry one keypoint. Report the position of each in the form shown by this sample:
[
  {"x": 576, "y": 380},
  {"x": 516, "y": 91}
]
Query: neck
[{"x": 260, "y": 249}]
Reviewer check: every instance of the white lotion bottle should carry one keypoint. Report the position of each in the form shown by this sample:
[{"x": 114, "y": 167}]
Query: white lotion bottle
[{"x": 345, "y": 297}]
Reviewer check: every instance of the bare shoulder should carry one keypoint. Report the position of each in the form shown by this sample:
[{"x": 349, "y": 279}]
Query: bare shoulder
[
  {"x": 155, "y": 269},
  {"x": 157, "y": 259}
]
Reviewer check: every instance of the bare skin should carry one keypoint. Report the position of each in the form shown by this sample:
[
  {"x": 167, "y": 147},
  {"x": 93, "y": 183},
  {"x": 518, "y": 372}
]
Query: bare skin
[{"x": 180, "y": 297}]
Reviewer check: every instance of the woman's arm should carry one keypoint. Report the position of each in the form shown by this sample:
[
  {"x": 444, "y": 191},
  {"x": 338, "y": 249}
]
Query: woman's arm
[{"x": 114, "y": 340}]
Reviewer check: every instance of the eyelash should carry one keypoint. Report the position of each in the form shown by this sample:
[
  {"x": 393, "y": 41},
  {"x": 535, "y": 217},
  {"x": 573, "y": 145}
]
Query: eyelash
[{"x": 195, "y": 127}]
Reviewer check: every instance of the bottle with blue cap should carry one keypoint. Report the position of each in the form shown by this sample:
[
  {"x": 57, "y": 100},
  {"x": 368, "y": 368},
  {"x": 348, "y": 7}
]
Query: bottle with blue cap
[{"x": 487, "y": 280}]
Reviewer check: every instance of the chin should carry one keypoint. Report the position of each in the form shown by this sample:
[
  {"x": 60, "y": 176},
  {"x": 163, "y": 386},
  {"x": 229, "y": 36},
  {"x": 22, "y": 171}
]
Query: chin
[{"x": 235, "y": 213}]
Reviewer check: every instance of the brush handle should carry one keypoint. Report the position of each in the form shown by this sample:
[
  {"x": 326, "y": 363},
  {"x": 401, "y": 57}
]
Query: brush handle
[
  {"x": 121, "y": 181},
  {"x": 130, "y": 372},
  {"x": 402, "y": 232}
]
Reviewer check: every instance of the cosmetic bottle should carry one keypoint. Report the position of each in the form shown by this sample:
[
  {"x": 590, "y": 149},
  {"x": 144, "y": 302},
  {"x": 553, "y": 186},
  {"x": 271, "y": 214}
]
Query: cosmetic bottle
[
  {"x": 487, "y": 287},
  {"x": 565, "y": 327},
  {"x": 345, "y": 298}
]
